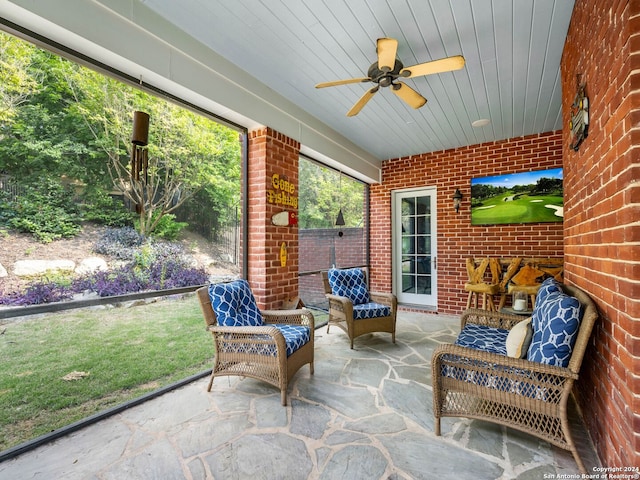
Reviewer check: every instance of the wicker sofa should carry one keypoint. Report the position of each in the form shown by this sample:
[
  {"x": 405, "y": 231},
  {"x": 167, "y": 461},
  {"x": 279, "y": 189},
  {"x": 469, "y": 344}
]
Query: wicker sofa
[{"x": 475, "y": 378}]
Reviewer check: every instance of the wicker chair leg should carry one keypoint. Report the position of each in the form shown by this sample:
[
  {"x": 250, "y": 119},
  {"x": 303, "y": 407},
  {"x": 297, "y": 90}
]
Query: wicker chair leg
[
  {"x": 311, "y": 368},
  {"x": 210, "y": 383},
  {"x": 283, "y": 396},
  {"x": 436, "y": 426}
]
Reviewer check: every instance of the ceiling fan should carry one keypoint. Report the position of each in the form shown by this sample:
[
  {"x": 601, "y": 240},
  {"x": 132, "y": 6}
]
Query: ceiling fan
[{"x": 388, "y": 70}]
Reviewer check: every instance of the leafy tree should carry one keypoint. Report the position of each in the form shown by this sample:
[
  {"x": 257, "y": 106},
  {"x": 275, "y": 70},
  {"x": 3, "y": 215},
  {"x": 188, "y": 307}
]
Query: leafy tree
[
  {"x": 16, "y": 85},
  {"x": 60, "y": 119},
  {"x": 185, "y": 151},
  {"x": 323, "y": 192}
]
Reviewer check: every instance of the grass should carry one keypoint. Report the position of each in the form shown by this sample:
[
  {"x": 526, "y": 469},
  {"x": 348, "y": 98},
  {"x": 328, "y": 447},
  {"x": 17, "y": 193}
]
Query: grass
[
  {"x": 506, "y": 208},
  {"x": 119, "y": 354}
]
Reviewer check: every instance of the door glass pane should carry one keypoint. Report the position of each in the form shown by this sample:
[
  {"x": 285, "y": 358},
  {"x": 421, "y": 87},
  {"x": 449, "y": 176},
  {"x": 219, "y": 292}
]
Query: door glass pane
[
  {"x": 423, "y": 245},
  {"x": 407, "y": 265},
  {"x": 408, "y": 225},
  {"x": 408, "y": 206},
  {"x": 423, "y": 205},
  {"x": 408, "y": 284},
  {"x": 423, "y": 264},
  {"x": 423, "y": 285}
]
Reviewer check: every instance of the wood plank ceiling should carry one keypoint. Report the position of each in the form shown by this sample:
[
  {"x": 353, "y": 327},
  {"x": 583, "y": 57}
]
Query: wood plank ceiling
[{"x": 511, "y": 77}]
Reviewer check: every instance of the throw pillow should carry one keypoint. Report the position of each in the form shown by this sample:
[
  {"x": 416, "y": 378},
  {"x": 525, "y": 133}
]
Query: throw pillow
[
  {"x": 559, "y": 318},
  {"x": 234, "y": 304},
  {"x": 349, "y": 283},
  {"x": 519, "y": 339},
  {"x": 550, "y": 285}
]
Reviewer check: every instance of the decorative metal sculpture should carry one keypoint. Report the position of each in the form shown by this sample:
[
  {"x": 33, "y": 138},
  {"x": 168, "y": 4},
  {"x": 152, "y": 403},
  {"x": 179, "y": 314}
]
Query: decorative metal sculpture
[{"x": 579, "y": 122}]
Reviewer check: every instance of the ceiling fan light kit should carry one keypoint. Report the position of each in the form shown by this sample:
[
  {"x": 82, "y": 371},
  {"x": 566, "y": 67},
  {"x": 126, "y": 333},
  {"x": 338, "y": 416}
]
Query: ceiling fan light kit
[{"x": 387, "y": 71}]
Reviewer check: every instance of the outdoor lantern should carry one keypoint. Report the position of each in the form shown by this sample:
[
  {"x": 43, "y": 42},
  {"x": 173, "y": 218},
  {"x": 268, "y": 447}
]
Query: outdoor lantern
[{"x": 457, "y": 200}]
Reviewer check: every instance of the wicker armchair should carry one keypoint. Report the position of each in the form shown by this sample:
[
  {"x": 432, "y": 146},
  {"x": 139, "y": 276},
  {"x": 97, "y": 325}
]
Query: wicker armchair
[
  {"x": 522, "y": 394},
  {"x": 272, "y": 352},
  {"x": 355, "y": 309}
]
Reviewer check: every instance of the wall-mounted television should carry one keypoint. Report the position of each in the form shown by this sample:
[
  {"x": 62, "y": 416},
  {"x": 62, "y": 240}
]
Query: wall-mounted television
[{"x": 525, "y": 197}]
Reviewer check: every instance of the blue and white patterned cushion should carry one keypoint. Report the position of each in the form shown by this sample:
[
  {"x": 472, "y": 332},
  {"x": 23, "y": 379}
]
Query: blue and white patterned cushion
[
  {"x": 294, "y": 335},
  {"x": 555, "y": 327},
  {"x": 370, "y": 310},
  {"x": 550, "y": 285},
  {"x": 349, "y": 283},
  {"x": 481, "y": 337},
  {"x": 497, "y": 377},
  {"x": 234, "y": 304}
]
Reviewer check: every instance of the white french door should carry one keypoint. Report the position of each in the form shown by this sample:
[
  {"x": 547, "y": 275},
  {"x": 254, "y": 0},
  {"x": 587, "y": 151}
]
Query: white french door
[{"x": 414, "y": 246}]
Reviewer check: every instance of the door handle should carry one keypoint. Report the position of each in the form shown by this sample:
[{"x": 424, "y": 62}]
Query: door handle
[{"x": 435, "y": 263}]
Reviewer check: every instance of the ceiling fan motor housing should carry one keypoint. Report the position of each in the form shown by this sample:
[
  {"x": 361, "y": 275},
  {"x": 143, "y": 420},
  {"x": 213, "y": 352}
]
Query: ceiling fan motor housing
[{"x": 384, "y": 78}]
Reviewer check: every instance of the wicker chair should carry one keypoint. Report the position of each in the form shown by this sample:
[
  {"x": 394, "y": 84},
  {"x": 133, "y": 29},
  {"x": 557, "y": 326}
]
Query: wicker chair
[
  {"x": 525, "y": 395},
  {"x": 260, "y": 352},
  {"x": 341, "y": 308}
]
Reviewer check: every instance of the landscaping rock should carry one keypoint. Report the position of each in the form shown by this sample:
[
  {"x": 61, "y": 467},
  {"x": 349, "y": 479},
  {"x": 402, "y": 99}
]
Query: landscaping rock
[
  {"x": 26, "y": 268},
  {"x": 3, "y": 271},
  {"x": 90, "y": 265}
]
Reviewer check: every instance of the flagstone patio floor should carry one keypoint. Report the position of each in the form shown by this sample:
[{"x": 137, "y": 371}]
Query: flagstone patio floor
[{"x": 365, "y": 414}]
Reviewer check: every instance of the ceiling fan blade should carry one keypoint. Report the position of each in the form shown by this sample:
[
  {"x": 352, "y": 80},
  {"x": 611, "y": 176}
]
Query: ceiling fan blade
[
  {"x": 386, "y": 48},
  {"x": 436, "y": 66},
  {"x": 362, "y": 102},
  {"x": 343, "y": 82},
  {"x": 409, "y": 95}
]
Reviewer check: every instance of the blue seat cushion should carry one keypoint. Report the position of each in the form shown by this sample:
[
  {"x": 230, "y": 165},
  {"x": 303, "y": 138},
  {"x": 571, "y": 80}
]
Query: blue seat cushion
[
  {"x": 555, "y": 327},
  {"x": 349, "y": 283},
  {"x": 363, "y": 311},
  {"x": 234, "y": 304},
  {"x": 481, "y": 337},
  {"x": 497, "y": 377},
  {"x": 294, "y": 335}
]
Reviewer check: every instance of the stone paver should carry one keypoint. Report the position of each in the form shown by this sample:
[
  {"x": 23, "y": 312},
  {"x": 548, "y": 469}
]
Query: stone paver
[{"x": 365, "y": 414}]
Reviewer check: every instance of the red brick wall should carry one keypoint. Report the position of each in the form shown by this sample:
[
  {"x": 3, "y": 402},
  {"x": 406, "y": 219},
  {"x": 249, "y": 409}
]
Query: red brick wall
[
  {"x": 457, "y": 238},
  {"x": 602, "y": 235},
  {"x": 271, "y": 153}
]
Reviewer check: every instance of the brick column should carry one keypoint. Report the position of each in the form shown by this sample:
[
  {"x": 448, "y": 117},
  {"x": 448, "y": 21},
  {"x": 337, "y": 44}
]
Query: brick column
[{"x": 273, "y": 188}]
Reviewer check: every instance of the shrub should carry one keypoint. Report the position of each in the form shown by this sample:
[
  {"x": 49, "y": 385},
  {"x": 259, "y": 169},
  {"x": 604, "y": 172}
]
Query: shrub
[
  {"x": 121, "y": 243},
  {"x": 167, "y": 228},
  {"x": 47, "y": 210},
  {"x": 102, "y": 208},
  {"x": 38, "y": 293}
]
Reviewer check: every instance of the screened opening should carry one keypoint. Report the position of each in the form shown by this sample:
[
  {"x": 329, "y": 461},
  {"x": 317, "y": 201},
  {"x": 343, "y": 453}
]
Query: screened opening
[
  {"x": 89, "y": 217},
  {"x": 324, "y": 194}
]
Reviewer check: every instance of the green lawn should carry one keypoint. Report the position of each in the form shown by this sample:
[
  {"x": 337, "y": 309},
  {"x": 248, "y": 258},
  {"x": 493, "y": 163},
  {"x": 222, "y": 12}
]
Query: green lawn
[
  {"x": 506, "y": 208},
  {"x": 124, "y": 353}
]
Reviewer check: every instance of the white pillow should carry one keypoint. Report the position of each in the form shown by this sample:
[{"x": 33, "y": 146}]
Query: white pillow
[{"x": 519, "y": 339}]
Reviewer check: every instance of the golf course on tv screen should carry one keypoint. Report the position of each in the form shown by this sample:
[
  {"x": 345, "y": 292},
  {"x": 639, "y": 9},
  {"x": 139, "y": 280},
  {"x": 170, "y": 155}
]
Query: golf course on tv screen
[{"x": 526, "y": 197}]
